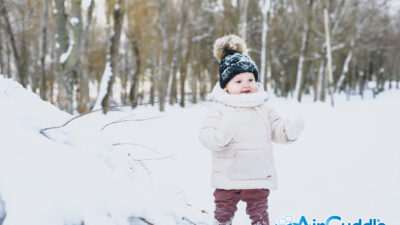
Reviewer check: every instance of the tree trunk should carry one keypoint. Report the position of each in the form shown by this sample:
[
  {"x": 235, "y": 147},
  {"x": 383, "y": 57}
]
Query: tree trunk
[
  {"x": 164, "y": 54},
  {"x": 395, "y": 70},
  {"x": 324, "y": 84},
  {"x": 356, "y": 78},
  {"x": 363, "y": 81},
  {"x": 185, "y": 66},
  {"x": 301, "y": 68},
  {"x": 173, "y": 92},
  {"x": 195, "y": 78},
  {"x": 35, "y": 77},
  {"x": 329, "y": 54},
  {"x": 8, "y": 60},
  {"x": 20, "y": 69},
  {"x": 52, "y": 73},
  {"x": 298, "y": 88},
  {"x": 3, "y": 213},
  {"x": 345, "y": 66},
  {"x": 194, "y": 89},
  {"x": 318, "y": 80},
  {"x": 73, "y": 63},
  {"x": 351, "y": 80},
  {"x": 43, "y": 79},
  {"x": 243, "y": 19},
  {"x": 125, "y": 77},
  {"x": 142, "y": 93},
  {"x": 176, "y": 52},
  {"x": 154, "y": 79},
  {"x": 114, "y": 52},
  {"x": 182, "y": 83},
  {"x": 231, "y": 18},
  {"x": 265, "y": 9},
  {"x": 184, "y": 71},
  {"x": 202, "y": 82},
  {"x": 304, "y": 79},
  {"x": 135, "y": 81},
  {"x": 304, "y": 84},
  {"x": 83, "y": 97},
  {"x": 1, "y": 54},
  {"x": 64, "y": 48},
  {"x": 25, "y": 53}
]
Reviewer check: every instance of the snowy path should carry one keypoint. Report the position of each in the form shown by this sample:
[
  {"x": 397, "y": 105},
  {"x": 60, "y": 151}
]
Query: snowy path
[{"x": 346, "y": 163}]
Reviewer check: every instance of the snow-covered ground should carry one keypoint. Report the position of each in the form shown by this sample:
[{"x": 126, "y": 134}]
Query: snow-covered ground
[{"x": 146, "y": 165}]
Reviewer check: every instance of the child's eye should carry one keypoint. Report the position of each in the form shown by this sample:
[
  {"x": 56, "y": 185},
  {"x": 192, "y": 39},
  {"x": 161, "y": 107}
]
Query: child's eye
[
  {"x": 238, "y": 81},
  {"x": 251, "y": 80}
]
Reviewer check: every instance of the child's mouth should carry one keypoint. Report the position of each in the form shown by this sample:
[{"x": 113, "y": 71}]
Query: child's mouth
[{"x": 245, "y": 92}]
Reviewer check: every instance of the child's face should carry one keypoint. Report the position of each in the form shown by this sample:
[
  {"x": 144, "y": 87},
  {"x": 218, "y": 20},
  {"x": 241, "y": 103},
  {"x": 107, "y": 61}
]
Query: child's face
[{"x": 243, "y": 83}]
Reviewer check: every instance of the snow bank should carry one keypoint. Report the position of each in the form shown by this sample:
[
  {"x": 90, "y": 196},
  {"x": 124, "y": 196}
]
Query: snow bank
[{"x": 74, "y": 174}]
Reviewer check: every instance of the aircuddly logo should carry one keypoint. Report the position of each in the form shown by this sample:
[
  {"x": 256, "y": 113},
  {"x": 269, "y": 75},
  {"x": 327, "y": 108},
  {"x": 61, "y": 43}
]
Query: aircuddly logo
[{"x": 333, "y": 220}]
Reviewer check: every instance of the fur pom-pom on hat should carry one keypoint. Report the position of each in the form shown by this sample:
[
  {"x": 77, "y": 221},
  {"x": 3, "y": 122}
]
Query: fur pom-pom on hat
[
  {"x": 231, "y": 53},
  {"x": 228, "y": 45}
]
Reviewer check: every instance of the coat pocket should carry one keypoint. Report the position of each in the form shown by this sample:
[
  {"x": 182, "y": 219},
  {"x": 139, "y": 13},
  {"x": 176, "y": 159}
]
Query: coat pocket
[{"x": 250, "y": 165}]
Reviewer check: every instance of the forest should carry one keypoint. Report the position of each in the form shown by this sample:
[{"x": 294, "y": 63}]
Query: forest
[{"x": 87, "y": 54}]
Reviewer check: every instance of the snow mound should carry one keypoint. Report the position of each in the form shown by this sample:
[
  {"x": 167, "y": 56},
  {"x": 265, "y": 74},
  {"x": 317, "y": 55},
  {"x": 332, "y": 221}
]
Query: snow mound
[{"x": 70, "y": 174}]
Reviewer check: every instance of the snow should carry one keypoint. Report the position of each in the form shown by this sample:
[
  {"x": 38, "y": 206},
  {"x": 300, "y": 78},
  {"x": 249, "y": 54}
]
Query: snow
[
  {"x": 371, "y": 84},
  {"x": 86, "y": 3},
  {"x": 74, "y": 21},
  {"x": 129, "y": 164},
  {"x": 107, "y": 74},
  {"x": 76, "y": 174},
  {"x": 65, "y": 55}
]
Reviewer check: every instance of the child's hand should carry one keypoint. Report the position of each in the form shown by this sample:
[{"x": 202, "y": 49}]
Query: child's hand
[
  {"x": 293, "y": 129},
  {"x": 224, "y": 132}
]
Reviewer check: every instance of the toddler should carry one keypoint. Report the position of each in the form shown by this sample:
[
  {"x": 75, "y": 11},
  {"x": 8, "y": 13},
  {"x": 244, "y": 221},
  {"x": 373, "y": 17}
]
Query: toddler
[{"x": 239, "y": 130}]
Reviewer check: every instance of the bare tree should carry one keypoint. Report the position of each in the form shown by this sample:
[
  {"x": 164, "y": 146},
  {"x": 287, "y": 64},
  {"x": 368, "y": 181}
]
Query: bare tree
[
  {"x": 83, "y": 97},
  {"x": 264, "y": 8},
  {"x": 135, "y": 81},
  {"x": 9, "y": 30},
  {"x": 64, "y": 48},
  {"x": 171, "y": 91},
  {"x": 43, "y": 80},
  {"x": 243, "y": 18},
  {"x": 111, "y": 69},
  {"x": 2, "y": 65},
  {"x": 329, "y": 54},
  {"x": 305, "y": 36},
  {"x": 168, "y": 47},
  {"x": 164, "y": 53}
]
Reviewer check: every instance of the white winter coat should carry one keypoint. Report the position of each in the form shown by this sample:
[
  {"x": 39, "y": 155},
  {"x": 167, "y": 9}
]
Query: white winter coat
[{"x": 246, "y": 162}]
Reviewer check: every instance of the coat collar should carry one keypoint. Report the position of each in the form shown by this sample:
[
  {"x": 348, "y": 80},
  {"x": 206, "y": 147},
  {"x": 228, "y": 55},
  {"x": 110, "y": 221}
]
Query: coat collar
[{"x": 240, "y": 100}]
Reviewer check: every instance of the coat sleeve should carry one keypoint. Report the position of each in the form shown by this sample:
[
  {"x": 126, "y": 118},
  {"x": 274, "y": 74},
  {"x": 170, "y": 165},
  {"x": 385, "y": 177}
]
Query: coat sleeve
[
  {"x": 277, "y": 125},
  {"x": 208, "y": 130}
]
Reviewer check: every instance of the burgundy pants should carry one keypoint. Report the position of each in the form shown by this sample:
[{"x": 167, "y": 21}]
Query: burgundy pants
[{"x": 256, "y": 200}]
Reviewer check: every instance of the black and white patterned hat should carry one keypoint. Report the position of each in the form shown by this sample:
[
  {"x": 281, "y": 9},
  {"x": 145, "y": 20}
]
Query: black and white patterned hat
[{"x": 231, "y": 53}]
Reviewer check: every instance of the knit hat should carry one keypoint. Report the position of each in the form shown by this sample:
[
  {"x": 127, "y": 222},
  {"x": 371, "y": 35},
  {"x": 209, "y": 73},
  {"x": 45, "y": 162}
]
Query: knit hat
[{"x": 231, "y": 53}]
